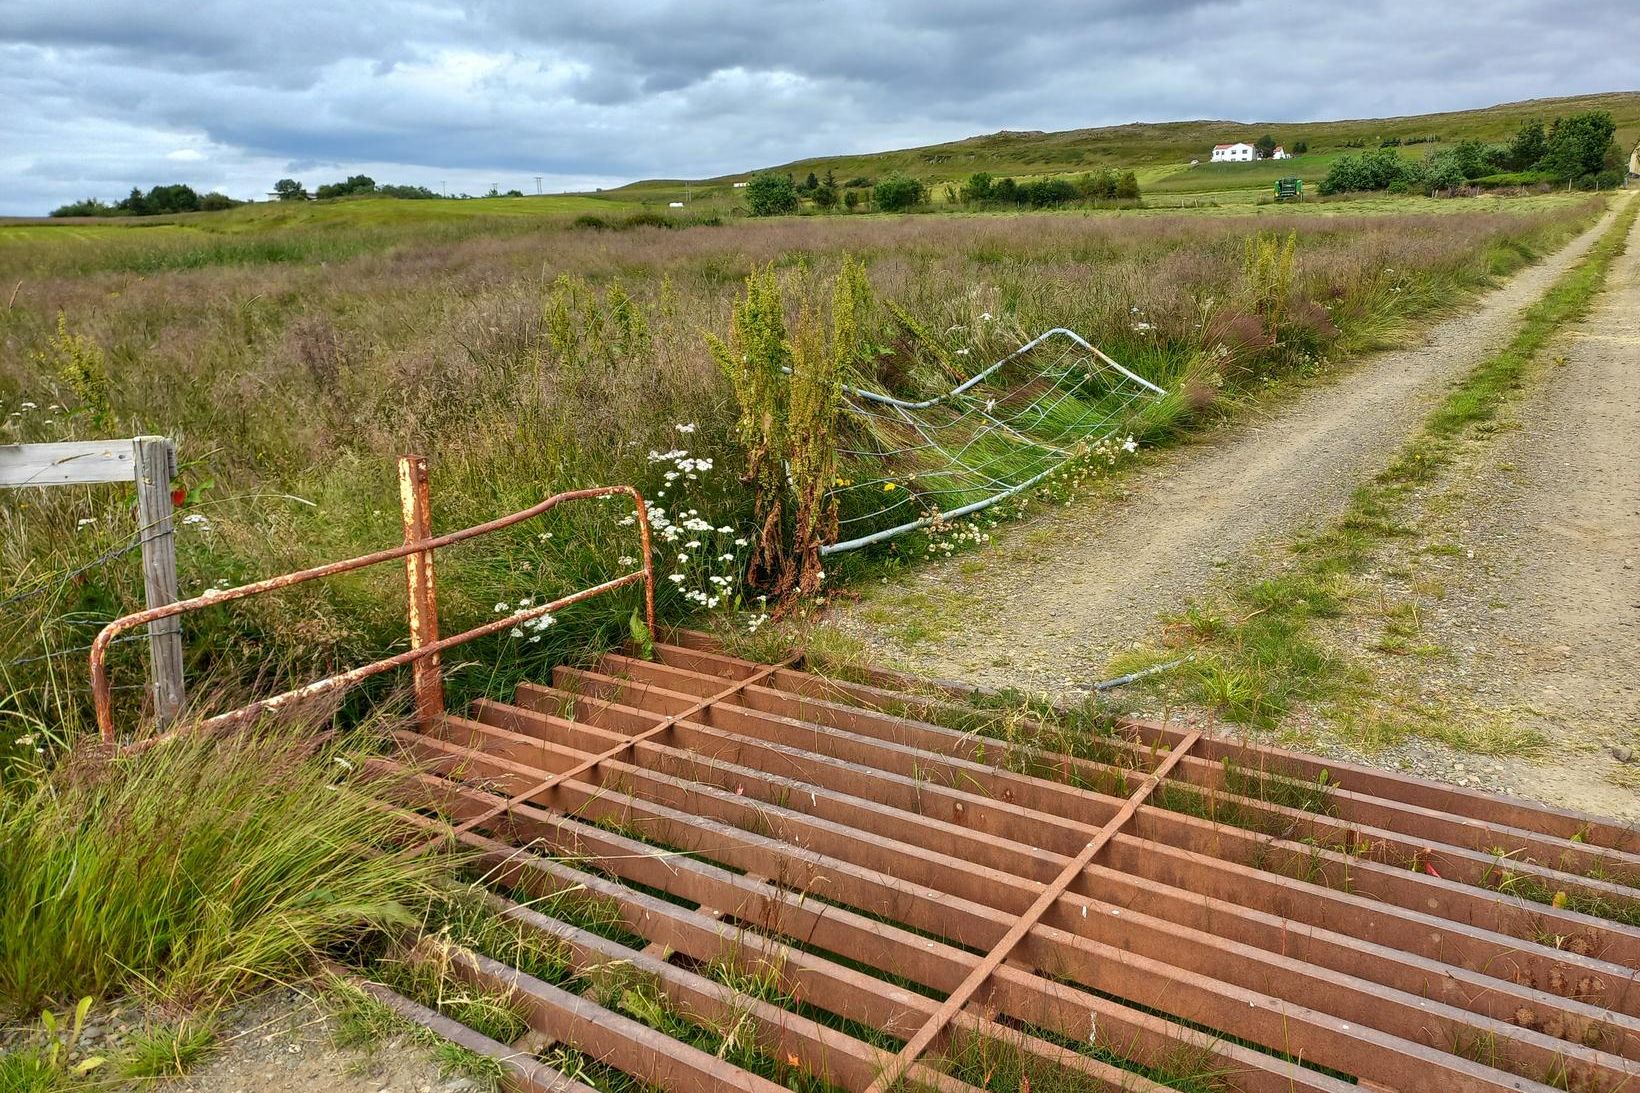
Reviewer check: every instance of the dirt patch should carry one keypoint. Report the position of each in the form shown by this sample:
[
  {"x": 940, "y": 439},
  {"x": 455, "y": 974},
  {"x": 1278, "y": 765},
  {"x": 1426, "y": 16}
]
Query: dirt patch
[{"x": 282, "y": 1043}]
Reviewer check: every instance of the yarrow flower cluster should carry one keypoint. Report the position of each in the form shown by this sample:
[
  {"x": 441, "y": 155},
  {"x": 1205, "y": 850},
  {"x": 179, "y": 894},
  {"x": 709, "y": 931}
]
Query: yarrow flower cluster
[
  {"x": 707, "y": 564},
  {"x": 680, "y": 465},
  {"x": 946, "y": 537},
  {"x": 535, "y": 626}
]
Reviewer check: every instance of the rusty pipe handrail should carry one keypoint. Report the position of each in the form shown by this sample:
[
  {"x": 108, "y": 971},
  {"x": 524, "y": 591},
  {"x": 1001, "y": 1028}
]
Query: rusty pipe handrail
[{"x": 102, "y": 695}]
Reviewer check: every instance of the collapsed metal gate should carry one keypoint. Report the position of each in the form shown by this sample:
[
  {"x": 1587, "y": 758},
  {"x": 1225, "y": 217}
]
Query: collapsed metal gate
[{"x": 915, "y": 875}]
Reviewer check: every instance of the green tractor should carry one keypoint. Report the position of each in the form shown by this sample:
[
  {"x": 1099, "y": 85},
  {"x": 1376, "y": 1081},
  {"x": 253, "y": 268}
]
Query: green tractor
[{"x": 1289, "y": 189}]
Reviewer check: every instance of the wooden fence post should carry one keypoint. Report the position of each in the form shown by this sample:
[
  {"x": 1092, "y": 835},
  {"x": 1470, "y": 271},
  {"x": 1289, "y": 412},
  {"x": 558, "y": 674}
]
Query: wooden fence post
[
  {"x": 155, "y": 462},
  {"x": 426, "y": 674}
]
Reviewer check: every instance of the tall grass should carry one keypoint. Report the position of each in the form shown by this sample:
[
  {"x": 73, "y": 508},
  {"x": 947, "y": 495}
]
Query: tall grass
[
  {"x": 192, "y": 872},
  {"x": 292, "y": 385}
]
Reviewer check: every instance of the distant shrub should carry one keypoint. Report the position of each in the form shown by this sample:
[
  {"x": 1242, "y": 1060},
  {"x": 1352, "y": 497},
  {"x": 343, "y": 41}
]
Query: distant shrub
[
  {"x": 1099, "y": 185},
  {"x": 859, "y": 182},
  {"x": 409, "y": 193},
  {"x": 91, "y": 206},
  {"x": 978, "y": 188},
  {"x": 1374, "y": 170},
  {"x": 851, "y": 198},
  {"x": 1044, "y": 193},
  {"x": 175, "y": 198},
  {"x": 1528, "y": 147},
  {"x": 897, "y": 192},
  {"x": 647, "y": 219},
  {"x": 770, "y": 194},
  {"x": 356, "y": 184},
  {"x": 591, "y": 221},
  {"x": 1514, "y": 178},
  {"x": 1300, "y": 147},
  {"x": 1577, "y": 145},
  {"x": 1443, "y": 170},
  {"x": 1127, "y": 187}
]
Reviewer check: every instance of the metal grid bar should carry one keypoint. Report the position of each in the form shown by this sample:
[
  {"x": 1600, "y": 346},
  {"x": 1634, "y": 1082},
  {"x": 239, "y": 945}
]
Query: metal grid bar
[
  {"x": 1429, "y": 935},
  {"x": 592, "y": 762},
  {"x": 991, "y": 833},
  {"x": 1016, "y": 933},
  {"x": 1419, "y": 1013},
  {"x": 1290, "y": 956}
]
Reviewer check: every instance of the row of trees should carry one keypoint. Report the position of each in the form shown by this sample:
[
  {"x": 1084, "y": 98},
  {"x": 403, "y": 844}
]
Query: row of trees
[
  {"x": 1265, "y": 147},
  {"x": 1039, "y": 193},
  {"x": 1578, "y": 149},
  {"x": 770, "y": 193},
  {"x": 289, "y": 189},
  {"x": 175, "y": 198}
]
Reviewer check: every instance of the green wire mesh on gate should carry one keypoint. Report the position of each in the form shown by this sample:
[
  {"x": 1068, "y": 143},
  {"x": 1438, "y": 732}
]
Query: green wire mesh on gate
[{"x": 907, "y": 464}]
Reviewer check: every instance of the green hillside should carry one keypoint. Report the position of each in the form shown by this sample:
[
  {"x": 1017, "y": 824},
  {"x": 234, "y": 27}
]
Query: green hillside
[{"x": 1161, "y": 151}]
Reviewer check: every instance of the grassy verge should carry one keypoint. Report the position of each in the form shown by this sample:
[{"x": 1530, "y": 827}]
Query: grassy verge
[
  {"x": 193, "y": 873},
  {"x": 1261, "y": 653}
]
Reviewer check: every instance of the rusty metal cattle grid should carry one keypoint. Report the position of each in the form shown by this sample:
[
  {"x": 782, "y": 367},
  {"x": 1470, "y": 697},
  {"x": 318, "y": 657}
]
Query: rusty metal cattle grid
[{"x": 933, "y": 894}]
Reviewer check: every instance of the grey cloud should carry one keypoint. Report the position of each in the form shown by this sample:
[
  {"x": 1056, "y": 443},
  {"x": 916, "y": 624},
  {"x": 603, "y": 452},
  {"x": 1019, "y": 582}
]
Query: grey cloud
[{"x": 603, "y": 90}]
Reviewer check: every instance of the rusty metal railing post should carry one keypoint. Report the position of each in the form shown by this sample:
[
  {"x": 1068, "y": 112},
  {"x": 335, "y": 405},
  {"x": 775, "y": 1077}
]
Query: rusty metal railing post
[{"x": 427, "y": 675}]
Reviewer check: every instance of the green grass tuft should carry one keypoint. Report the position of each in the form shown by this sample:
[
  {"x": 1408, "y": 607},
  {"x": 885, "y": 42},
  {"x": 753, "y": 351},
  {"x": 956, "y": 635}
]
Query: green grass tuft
[
  {"x": 193, "y": 872},
  {"x": 167, "y": 1051}
]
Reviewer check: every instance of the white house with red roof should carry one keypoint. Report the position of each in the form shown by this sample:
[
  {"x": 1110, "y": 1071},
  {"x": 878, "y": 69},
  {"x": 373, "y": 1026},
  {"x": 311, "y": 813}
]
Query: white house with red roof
[{"x": 1242, "y": 152}]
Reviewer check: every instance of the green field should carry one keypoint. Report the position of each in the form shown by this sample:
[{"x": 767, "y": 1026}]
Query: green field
[{"x": 1161, "y": 152}]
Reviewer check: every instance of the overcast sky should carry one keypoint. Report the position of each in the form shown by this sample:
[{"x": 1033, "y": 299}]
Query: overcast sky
[{"x": 234, "y": 94}]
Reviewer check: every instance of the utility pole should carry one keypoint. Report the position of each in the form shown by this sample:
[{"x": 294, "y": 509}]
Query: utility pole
[{"x": 537, "y": 185}]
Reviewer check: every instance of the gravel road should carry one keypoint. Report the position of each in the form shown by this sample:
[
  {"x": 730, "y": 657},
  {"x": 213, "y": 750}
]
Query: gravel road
[{"x": 1054, "y": 597}]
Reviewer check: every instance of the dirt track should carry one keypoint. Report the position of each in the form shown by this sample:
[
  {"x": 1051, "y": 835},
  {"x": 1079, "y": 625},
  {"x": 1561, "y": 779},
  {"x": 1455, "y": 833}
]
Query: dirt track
[
  {"x": 1543, "y": 624},
  {"x": 1055, "y": 597}
]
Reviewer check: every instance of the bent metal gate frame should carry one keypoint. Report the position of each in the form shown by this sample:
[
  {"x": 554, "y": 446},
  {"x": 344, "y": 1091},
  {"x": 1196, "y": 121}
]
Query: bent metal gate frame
[{"x": 882, "y": 884}]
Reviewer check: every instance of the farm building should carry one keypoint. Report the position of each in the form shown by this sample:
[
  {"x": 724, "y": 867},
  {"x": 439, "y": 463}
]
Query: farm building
[{"x": 1242, "y": 152}]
